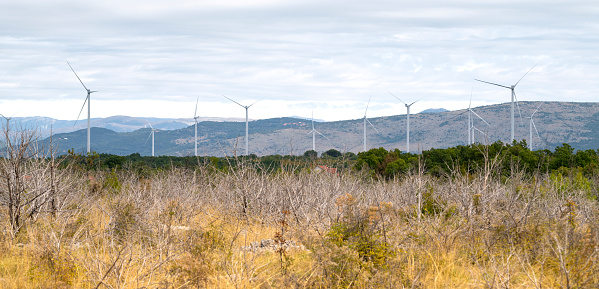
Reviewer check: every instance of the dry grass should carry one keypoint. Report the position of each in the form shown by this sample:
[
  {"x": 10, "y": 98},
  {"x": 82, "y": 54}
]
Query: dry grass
[{"x": 182, "y": 229}]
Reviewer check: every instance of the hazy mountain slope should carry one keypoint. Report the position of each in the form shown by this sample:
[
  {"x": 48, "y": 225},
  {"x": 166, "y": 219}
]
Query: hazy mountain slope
[
  {"x": 557, "y": 122},
  {"x": 117, "y": 123}
]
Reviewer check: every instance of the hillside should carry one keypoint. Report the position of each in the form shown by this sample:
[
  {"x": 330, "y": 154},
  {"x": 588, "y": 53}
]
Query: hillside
[
  {"x": 557, "y": 122},
  {"x": 118, "y": 123}
]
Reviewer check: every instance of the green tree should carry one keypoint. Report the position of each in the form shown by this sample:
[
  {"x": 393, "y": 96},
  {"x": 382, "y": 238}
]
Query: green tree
[
  {"x": 312, "y": 154},
  {"x": 333, "y": 153},
  {"x": 563, "y": 157}
]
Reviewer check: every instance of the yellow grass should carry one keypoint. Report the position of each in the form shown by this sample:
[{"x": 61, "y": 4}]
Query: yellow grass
[{"x": 173, "y": 231}]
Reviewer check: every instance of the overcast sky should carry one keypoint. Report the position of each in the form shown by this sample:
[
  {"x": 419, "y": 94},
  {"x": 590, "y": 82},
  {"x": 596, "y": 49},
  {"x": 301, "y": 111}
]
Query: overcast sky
[{"x": 154, "y": 58}]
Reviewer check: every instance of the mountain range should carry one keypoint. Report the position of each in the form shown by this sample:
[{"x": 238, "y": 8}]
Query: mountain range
[
  {"x": 119, "y": 123},
  {"x": 557, "y": 122}
]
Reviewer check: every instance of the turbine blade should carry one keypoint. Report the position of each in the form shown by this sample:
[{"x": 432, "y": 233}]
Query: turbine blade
[
  {"x": 377, "y": 131},
  {"x": 367, "y": 106},
  {"x": 493, "y": 83},
  {"x": 480, "y": 117},
  {"x": 81, "y": 110},
  {"x": 234, "y": 101},
  {"x": 322, "y": 134},
  {"x": 396, "y": 97},
  {"x": 149, "y": 135},
  {"x": 414, "y": 102},
  {"x": 150, "y": 124},
  {"x": 195, "y": 114},
  {"x": 77, "y": 76},
  {"x": 527, "y": 73},
  {"x": 480, "y": 131},
  {"x": 457, "y": 115},
  {"x": 533, "y": 125},
  {"x": 536, "y": 110},
  {"x": 518, "y": 106},
  {"x": 471, "y": 90},
  {"x": 253, "y": 103}
]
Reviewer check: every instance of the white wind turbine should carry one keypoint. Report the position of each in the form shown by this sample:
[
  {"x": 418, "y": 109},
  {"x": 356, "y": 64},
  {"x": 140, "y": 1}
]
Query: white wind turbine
[
  {"x": 366, "y": 120},
  {"x": 195, "y": 118},
  {"x": 532, "y": 125},
  {"x": 87, "y": 99},
  {"x": 471, "y": 126},
  {"x": 314, "y": 132},
  {"x": 407, "y": 121},
  {"x": 7, "y": 120},
  {"x": 246, "y": 122},
  {"x": 513, "y": 96},
  {"x": 152, "y": 130}
]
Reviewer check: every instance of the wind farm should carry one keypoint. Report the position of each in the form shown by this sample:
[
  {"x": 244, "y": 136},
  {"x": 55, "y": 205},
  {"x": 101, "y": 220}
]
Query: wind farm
[
  {"x": 337, "y": 135},
  {"x": 436, "y": 130},
  {"x": 376, "y": 145},
  {"x": 388, "y": 135}
]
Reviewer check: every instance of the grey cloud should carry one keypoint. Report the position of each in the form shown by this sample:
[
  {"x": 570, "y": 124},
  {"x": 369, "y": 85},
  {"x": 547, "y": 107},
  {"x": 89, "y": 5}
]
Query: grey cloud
[{"x": 332, "y": 50}]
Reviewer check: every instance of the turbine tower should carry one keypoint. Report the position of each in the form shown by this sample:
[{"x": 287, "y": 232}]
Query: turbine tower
[
  {"x": 87, "y": 99},
  {"x": 407, "y": 121},
  {"x": 470, "y": 117},
  {"x": 195, "y": 118},
  {"x": 246, "y": 122},
  {"x": 314, "y": 132},
  {"x": 513, "y": 96},
  {"x": 532, "y": 125},
  {"x": 366, "y": 120},
  {"x": 152, "y": 130}
]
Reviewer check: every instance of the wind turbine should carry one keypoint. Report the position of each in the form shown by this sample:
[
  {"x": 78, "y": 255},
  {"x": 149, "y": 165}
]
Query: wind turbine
[
  {"x": 314, "y": 132},
  {"x": 151, "y": 135},
  {"x": 471, "y": 126},
  {"x": 7, "y": 121},
  {"x": 195, "y": 118},
  {"x": 366, "y": 120},
  {"x": 407, "y": 121},
  {"x": 532, "y": 124},
  {"x": 513, "y": 95},
  {"x": 87, "y": 99},
  {"x": 246, "y": 122}
]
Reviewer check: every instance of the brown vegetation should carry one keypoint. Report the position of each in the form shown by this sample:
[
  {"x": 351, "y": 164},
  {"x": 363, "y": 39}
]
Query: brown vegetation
[{"x": 191, "y": 229}]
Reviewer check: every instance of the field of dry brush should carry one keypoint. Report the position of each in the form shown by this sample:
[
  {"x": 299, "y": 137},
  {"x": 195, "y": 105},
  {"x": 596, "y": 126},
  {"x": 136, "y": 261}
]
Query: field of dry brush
[{"x": 245, "y": 228}]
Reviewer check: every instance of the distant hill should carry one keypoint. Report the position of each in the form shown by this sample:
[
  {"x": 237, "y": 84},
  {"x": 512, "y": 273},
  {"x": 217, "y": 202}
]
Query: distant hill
[
  {"x": 434, "y": 110},
  {"x": 557, "y": 123},
  {"x": 117, "y": 123}
]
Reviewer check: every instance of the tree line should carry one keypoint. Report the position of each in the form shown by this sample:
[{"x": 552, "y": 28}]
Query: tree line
[{"x": 379, "y": 162}]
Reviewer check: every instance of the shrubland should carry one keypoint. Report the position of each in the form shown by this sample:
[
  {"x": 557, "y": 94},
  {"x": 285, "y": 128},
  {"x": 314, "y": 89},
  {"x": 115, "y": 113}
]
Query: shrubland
[{"x": 497, "y": 222}]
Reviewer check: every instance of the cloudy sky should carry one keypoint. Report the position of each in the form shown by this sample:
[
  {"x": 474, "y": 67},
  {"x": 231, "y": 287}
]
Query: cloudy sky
[{"x": 154, "y": 58}]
